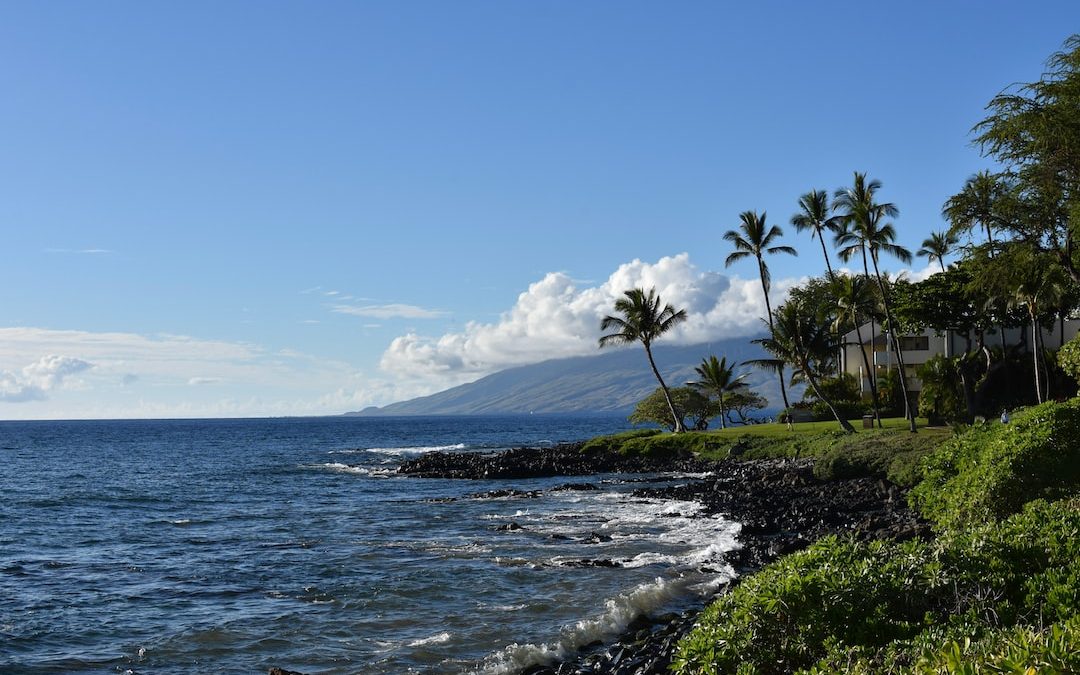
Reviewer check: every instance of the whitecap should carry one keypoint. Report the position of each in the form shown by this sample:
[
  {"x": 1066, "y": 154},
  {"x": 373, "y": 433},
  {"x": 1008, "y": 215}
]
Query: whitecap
[
  {"x": 407, "y": 450},
  {"x": 437, "y": 639},
  {"x": 618, "y": 613}
]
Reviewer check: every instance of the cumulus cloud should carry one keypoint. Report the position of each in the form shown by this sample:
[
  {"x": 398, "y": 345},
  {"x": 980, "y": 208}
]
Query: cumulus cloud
[
  {"x": 556, "y": 318},
  {"x": 38, "y": 378},
  {"x": 390, "y": 311}
]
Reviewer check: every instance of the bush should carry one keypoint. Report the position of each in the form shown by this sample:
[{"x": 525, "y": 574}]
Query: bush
[
  {"x": 848, "y": 410},
  {"x": 879, "y": 455},
  {"x": 1068, "y": 358},
  {"x": 991, "y": 471},
  {"x": 842, "y": 605}
]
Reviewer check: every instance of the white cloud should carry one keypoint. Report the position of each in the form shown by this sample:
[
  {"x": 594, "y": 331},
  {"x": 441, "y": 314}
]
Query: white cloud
[
  {"x": 555, "y": 318},
  {"x": 198, "y": 381},
  {"x": 85, "y": 251},
  {"x": 389, "y": 311},
  {"x": 38, "y": 378}
]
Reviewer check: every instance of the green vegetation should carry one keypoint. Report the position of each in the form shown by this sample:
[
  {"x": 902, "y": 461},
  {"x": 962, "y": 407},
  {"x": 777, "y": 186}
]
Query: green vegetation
[
  {"x": 1002, "y": 592},
  {"x": 990, "y": 472},
  {"x": 687, "y": 402},
  {"x": 880, "y": 453},
  {"x": 643, "y": 320}
]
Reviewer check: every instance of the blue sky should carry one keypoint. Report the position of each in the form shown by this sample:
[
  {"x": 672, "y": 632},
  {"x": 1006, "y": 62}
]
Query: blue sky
[{"x": 286, "y": 208}]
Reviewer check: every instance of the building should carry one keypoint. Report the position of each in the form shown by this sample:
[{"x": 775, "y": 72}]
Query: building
[{"x": 921, "y": 347}]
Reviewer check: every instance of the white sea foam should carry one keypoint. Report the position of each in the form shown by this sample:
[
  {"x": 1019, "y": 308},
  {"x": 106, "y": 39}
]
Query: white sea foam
[
  {"x": 617, "y": 614},
  {"x": 437, "y": 639},
  {"x": 339, "y": 467},
  {"x": 409, "y": 450}
]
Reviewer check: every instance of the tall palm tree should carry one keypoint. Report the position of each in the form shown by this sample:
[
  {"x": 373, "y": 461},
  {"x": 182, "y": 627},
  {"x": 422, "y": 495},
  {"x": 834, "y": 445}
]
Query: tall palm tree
[
  {"x": 867, "y": 231},
  {"x": 855, "y": 300},
  {"x": 814, "y": 215},
  {"x": 937, "y": 246},
  {"x": 755, "y": 238},
  {"x": 800, "y": 340},
  {"x": 1041, "y": 288},
  {"x": 717, "y": 377},
  {"x": 976, "y": 204},
  {"x": 643, "y": 320}
]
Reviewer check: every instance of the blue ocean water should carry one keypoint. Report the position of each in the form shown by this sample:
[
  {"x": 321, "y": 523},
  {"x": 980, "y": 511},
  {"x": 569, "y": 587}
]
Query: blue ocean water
[{"x": 183, "y": 546}]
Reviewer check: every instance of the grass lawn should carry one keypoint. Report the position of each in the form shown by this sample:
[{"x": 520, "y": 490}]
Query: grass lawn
[{"x": 774, "y": 429}]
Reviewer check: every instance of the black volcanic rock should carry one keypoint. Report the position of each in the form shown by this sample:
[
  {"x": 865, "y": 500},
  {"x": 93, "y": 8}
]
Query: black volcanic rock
[{"x": 561, "y": 460}]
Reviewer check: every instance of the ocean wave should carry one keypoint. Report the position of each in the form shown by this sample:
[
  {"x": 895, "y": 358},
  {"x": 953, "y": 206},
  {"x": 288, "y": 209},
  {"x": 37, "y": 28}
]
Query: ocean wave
[
  {"x": 339, "y": 467},
  {"x": 437, "y": 639},
  {"x": 408, "y": 450},
  {"x": 617, "y": 614}
]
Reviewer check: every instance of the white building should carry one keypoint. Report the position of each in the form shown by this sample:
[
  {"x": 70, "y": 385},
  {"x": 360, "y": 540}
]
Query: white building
[{"x": 919, "y": 348}]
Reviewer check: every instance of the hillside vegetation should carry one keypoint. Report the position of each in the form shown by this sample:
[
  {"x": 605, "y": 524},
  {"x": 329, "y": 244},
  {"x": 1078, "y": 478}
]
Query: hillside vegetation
[{"x": 998, "y": 590}]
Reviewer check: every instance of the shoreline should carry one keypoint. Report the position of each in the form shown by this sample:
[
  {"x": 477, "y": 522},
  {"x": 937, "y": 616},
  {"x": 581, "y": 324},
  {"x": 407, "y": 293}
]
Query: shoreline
[{"x": 781, "y": 505}]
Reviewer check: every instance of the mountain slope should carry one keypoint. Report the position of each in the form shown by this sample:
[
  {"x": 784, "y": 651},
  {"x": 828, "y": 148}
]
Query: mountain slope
[{"x": 609, "y": 381}]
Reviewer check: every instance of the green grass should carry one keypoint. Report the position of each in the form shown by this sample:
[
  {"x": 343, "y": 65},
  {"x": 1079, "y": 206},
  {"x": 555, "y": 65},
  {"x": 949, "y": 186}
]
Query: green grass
[{"x": 890, "y": 452}]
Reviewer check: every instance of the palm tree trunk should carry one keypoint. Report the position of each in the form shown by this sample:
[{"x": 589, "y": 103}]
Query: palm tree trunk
[
  {"x": 844, "y": 424},
  {"x": 768, "y": 313},
  {"x": 1035, "y": 356},
  {"x": 866, "y": 362},
  {"x": 825, "y": 252},
  {"x": 908, "y": 412},
  {"x": 679, "y": 426},
  {"x": 873, "y": 371},
  {"x": 723, "y": 413},
  {"x": 941, "y": 262}
]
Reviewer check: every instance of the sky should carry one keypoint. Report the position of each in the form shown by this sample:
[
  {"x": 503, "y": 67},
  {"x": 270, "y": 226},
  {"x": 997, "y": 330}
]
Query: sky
[{"x": 280, "y": 208}]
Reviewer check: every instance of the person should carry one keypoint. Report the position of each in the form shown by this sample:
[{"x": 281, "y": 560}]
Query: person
[{"x": 1004, "y": 416}]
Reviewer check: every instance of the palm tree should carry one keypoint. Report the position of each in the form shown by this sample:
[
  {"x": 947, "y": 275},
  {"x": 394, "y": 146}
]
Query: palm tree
[
  {"x": 1042, "y": 287},
  {"x": 643, "y": 320},
  {"x": 867, "y": 231},
  {"x": 755, "y": 238},
  {"x": 814, "y": 215},
  {"x": 854, "y": 300},
  {"x": 937, "y": 246},
  {"x": 800, "y": 340},
  {"x": 717, "y": 377},
  {"x": 976, "y": 204}
]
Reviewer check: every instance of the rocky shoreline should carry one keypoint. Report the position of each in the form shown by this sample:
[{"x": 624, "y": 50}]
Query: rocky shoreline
[{"x": 783, "y": 507}]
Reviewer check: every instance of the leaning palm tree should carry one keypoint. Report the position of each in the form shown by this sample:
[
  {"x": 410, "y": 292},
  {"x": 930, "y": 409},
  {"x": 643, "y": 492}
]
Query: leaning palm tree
[
  {"x": 643, "y": 320},
  {"x": 755, "y": 238},
  {"x": 866, "y": 230},
  {"x": 855, "y": 300},
  {"x": 814, "y": 215},
  {"x": 717, "y": 377},
  {"x": 800, "y": 340},
  {"x": 937, "y": 246}
]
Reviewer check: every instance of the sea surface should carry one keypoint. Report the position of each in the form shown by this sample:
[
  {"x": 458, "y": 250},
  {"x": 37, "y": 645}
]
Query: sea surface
[{"x": 230, "y": 546}]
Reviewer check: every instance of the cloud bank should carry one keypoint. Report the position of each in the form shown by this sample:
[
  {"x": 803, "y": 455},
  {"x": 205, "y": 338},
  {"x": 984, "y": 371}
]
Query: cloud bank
[
  {"x": 555, "y": 318},
  {"x": 38, "y": 378}
]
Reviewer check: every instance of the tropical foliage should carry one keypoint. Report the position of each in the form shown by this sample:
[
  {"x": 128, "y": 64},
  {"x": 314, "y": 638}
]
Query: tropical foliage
[{"x": 643, "y": 319}]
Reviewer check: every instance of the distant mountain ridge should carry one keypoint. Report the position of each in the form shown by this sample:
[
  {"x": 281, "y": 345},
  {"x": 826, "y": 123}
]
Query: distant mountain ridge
[{"x": 608, "y": 381}]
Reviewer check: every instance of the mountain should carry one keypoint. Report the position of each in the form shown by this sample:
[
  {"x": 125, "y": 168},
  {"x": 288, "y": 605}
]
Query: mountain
[{"x": 609, "y": 381}]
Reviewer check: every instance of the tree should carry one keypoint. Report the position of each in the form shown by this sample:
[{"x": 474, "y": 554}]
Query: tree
[
  {"x": 855, "y": 300},
  {"x": 688, "y": 403},
  {"x": 937, "y": 246},
  {"x": 940, "y": 397},
  {"x": 977, "y": 205},
  {"x": 742, "y": 403},
  {"x": 643, "y": 320},
  {"x": 814, "y": 216},
  {"x": 1033, "y": 130},
  {"x": 755, "y": 238},
  {"x": 799, "y": 340},
  {"x": 717, "y": 377},
  {"x": 868, "y": 231}
]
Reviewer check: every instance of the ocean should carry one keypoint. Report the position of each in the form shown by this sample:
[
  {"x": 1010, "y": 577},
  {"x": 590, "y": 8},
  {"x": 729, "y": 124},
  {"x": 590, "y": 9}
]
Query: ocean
[{"x": 180, "y": 546}]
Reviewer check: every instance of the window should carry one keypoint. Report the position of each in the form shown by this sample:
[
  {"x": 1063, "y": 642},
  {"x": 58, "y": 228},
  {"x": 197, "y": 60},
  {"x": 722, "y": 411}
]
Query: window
[{"x": 915, "y": 343}]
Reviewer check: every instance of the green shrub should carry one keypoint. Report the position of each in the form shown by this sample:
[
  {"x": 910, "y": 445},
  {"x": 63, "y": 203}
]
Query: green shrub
[
  {"x": 848, "y": 410},
  {"x": 1068, "y": 358},
  {"x": 991, "y": 471},
  {"x": 891, "y": 455},
  {"x": 881, "y": 606},
  {"x": 613, "y": 442},
  {"x": 675, "y": 445}
]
